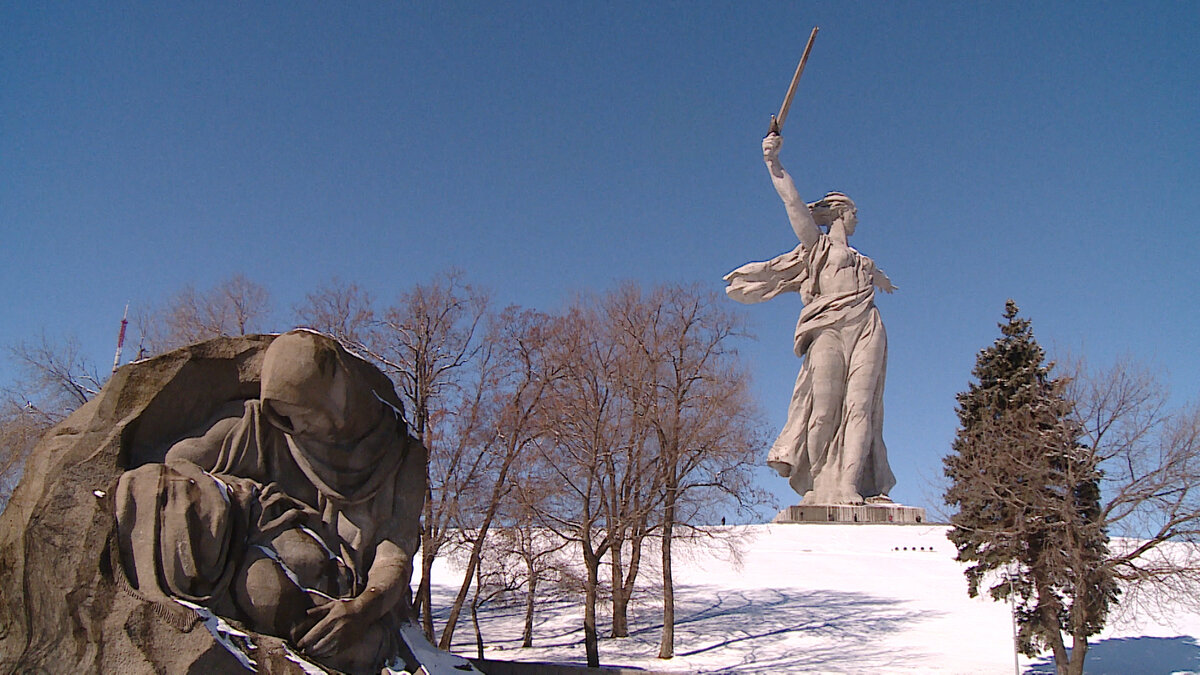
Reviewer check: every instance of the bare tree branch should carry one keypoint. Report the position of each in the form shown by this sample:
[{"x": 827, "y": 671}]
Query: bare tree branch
[{"x": 235, "y": 306}]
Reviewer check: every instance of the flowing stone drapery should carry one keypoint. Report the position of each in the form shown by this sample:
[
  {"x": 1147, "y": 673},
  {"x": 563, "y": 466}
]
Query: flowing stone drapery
[{"x": 846, "y": 325}]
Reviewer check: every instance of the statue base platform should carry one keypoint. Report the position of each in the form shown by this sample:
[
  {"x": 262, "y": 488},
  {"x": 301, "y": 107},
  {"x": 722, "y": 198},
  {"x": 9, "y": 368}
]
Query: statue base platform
[{"x": 887, "y": 513}]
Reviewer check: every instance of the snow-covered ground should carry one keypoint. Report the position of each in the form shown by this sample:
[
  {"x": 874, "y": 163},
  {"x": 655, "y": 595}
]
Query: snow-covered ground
[{"x": 817, "y": 598}]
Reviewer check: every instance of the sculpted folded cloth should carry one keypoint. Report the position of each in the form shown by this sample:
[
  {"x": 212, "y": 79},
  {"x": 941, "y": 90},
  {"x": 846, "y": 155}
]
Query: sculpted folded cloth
[{"x": 300, "y": 518}]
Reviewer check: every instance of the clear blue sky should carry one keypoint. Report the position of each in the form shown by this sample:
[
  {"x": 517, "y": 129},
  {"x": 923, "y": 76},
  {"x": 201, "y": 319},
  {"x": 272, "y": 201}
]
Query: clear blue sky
[{"x": 1048, "y": 152}]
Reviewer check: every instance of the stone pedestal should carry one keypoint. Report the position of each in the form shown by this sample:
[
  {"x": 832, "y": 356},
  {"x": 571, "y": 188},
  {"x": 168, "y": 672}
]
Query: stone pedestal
[{"x": 885, "y": 513}]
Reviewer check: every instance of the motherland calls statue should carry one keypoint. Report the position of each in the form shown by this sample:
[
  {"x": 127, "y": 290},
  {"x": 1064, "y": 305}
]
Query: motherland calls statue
[{"x": 831, "y": 448}]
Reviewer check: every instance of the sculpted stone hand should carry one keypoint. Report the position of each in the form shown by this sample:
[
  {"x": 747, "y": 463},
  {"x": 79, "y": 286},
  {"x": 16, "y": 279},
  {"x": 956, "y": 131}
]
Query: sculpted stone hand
[
  {"x": 882, "y": 282},
  {"x": 340, "y": 623},
  {"x": 770, "y": 146}
]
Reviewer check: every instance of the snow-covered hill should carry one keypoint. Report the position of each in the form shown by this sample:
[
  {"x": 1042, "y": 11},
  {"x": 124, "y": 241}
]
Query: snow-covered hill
[{"x": 819, "y": 598}]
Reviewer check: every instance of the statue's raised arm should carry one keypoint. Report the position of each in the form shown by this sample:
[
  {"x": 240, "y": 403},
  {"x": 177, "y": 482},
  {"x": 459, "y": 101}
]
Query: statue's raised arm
[{"x": 797, "y": 210}]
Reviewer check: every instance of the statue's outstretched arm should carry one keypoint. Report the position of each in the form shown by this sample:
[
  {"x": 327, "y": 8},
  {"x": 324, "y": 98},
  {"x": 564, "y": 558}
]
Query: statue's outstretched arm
[
  {"x": 882, "y": 281},
  {"x": 797, "y": 209}
]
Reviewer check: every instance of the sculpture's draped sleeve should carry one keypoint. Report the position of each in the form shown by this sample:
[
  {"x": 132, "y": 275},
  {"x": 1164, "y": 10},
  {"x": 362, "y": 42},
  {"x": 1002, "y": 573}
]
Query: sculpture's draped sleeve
[{"x": 761, "y": 281}]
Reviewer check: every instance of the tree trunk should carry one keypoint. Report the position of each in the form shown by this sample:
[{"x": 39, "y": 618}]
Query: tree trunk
[
  {"x": 624, "y": 586},
  {"x": 459, "y": 600},
  {"x": 1052, "y": 631},
  {"x": 498, "y": 491},
  {"x": 666, "y": 649},
  {"x": 475, "y": 612},
  {"x": 590, "y": 642},
  {"x": 620, "y": 599},
  {"x": 428, "y": 547},
  {"x": 425, "y": 593},
  {"x": 1062, "y": 658},
  {"x": 530, "y": 594},
  {"x": 635, "y": 563},
  {"x": 478, "y": 634},
  {"x": 1079, "y": 648}
]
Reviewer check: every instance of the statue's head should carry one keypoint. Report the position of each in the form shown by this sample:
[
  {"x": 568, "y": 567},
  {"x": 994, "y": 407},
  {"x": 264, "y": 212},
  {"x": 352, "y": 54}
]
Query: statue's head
[
  {"x": 312, "y": 389},
  {"x": 832, "y": 207}
]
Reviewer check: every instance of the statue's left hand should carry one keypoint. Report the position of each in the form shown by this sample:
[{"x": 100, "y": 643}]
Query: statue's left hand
[
  {"x": 883, "y": 282},
  {"x": 340, "y": 624}
]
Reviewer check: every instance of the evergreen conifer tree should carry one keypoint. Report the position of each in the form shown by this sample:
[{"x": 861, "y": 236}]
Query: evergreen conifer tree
[{"x": 1027, "y": 499}]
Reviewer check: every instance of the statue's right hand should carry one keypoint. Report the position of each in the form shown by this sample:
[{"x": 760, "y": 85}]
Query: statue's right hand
[
  {"x": 770, "y": 147},
  {"x": 340, "y": 623}
]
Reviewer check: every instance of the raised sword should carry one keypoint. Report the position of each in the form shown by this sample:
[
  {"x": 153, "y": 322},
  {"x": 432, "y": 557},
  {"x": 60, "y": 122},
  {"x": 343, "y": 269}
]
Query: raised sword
[{"x": 778, "y": 120}]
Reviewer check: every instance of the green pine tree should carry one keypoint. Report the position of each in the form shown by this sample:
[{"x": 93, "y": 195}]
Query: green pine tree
[{"x": 1027, "y": 499}]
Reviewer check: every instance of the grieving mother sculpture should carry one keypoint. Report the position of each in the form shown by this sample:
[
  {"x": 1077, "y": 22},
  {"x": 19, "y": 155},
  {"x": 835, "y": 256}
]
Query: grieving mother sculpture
[
  {"x": 831, "y": 448},
  {"x": 296, "y": 515}
]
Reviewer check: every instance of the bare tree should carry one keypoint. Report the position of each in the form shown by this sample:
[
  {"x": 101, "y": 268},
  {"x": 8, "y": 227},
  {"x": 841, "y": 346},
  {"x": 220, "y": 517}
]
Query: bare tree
[
  {"x": 651, "y": 427},
  {"x": 236, "y": 306},
  {"x": 524, "y": 343},
  {"x": 427, "y": 342},
  {"x": 586, "y": 424},
  {"x": 56, "y": 378},
  {"x": 531, "y": 555},
  {"x": 632, "y": 495},
  {"x": 21, "y": 425},
  {"x": 245, "y": 303},
  {"x": 630, "y": 501},
  {"x": 1150, "y": 455},
  {"x": 343, "y": 310},
  {"x": 519, "y": 558},
  {"x": 537, "y": 549},
  {"x": 698, "y": 405},
  {"x": 570, "y": 415}
]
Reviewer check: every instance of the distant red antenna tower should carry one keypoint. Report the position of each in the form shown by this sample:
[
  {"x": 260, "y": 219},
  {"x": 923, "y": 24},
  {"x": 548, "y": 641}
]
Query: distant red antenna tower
[{"x": 121, "y": 338}]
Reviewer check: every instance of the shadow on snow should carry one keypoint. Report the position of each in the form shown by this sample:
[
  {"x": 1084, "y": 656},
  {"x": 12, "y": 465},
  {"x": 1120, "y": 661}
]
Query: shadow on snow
[
  {"x": 743, "y": 630},
  {"x": 1133, "y": 656}
]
